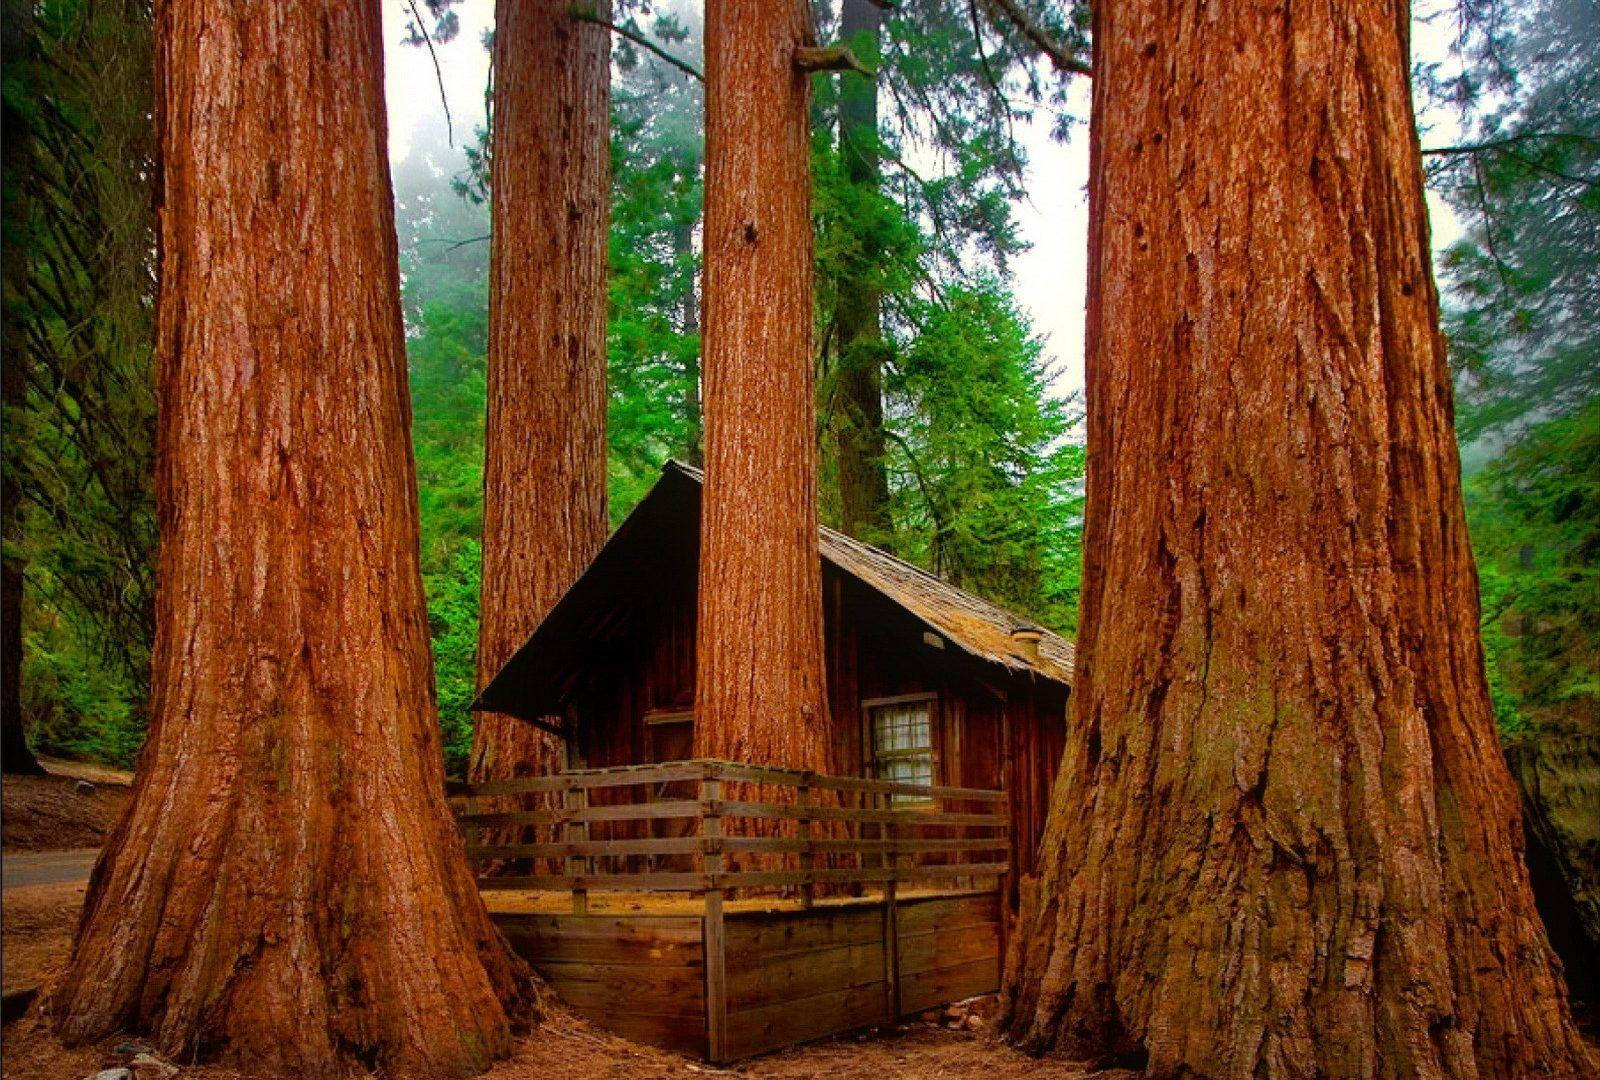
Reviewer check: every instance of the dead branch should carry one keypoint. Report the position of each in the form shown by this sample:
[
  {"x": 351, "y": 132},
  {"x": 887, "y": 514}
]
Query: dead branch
[{"x": 830, "y": 58}]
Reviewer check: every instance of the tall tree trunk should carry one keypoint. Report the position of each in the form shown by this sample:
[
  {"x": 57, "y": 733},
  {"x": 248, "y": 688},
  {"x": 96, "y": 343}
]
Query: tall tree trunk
[
  {"x": 863, "y": 476},
  {"x": 689, "y": 326},
  {"x": 1284, "y": 840},
  {"x": 544, "y": 504},
  {"x": 759, "y": 689},
  {"x": 15, "y": 756},
  {"x": 286, "y": 889}
]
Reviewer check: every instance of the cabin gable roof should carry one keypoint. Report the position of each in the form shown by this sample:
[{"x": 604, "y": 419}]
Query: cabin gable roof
[{"x": 538, "y": 677}]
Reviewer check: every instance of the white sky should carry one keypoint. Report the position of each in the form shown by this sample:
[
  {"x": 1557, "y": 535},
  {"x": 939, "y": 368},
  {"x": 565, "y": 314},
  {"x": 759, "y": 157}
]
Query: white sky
[{"x": 1050, "y": 278}]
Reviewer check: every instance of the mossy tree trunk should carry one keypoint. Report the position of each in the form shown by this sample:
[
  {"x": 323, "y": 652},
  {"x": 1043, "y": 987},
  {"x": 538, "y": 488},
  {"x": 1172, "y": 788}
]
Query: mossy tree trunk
[
  {"x": 1284, "y": 841},
  {"x": 287, "y": 890},
  {"x": 16, "y": 30},
  {"x": 544, "y": 512},
  {"x": 859, "y": 437}
]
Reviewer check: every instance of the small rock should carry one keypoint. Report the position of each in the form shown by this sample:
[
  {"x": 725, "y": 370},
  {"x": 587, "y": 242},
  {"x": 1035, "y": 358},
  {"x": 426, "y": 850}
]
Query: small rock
[
  {"x": 113, "y": 1074},
  {"x": 150, "y": 1067},
  {"x": 974, "y": 1022},
  {"x": 83, "y": 787}
]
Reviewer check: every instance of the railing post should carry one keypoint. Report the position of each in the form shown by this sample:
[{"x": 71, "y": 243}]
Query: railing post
[
  {"x": 712, "y": 933},
  {"x": 888, "y": 830},
  {"x": 577, "y": 799},
  {"x": 802, "y": 801}
]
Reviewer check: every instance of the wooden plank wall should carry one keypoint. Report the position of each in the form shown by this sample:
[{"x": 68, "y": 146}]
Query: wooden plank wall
[
  {"x": 949, "y": 949},
  {"x": 642, "y": 976},
  {"x": 794, "y": 976},
  {"x": 791, "y": 976}
]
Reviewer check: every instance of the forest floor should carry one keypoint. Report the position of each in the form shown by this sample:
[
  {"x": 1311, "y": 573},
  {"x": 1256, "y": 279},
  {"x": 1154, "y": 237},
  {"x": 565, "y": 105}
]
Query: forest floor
[
  {"x": 76, "y": 806},
  {"x": 38, "y": 921}
]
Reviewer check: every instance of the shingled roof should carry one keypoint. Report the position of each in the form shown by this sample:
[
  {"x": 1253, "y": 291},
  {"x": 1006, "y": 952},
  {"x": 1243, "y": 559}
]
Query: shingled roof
[
  {"x": 981, "y": 628},
  {"x": 974, "y": 625}
]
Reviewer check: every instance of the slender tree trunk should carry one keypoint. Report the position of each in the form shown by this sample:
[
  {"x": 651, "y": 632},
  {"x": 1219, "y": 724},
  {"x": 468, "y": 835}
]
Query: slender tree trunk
[
  {"x": 1284, "y": 841},
  {"x": 286, "y": 890},
  {"x": 15, "y": 756},
  {"x": 759, "y": 689},
  {"x": 863, "y": 476},
  {"x": 544, "y": 504},
  {"x": 689, "y": 326}
]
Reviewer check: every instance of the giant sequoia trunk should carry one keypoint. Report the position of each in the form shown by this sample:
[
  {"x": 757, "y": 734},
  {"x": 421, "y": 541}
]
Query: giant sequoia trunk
[
  {"x": 863, "y": 475},
  {"x": 544, "y": 505},
  {"x": 1284, "y": 841},
  {"x": 286, "y": 889},
  {"x": 759, "y": 690}
]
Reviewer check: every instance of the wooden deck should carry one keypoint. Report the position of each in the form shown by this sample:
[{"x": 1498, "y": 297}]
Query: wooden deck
[{"x": 832, "y": 903}]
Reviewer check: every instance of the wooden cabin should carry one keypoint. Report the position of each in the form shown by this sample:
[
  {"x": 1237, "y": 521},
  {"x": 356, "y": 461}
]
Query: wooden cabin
[{"x": 926, "y": 683}]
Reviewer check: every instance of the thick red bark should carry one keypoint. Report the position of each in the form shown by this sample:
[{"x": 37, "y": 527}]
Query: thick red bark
[
  {"x": 544, "y": 507},
  {"x": 759, "y": 689},
  {"x": 287, "y": 889},
  {"x": 1284, "y": 841}
]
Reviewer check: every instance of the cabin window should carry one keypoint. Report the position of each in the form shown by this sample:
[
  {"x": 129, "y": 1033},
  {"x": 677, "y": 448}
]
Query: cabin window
[{"x": 902, "y": 740}]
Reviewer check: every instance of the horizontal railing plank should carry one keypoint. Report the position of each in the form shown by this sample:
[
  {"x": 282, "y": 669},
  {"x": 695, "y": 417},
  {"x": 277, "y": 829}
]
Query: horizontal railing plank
[
  {"x": 953, "y": 870},
  {"x": 585, "y": 780},
  {"x": 645, "y": 811},
  {"x": 790, "y": 811},
  {"x": 732, "y": 879},
  {"x": 688, "y": 845},
  {"x": 764, "y": 774},
  {"x": 674, "y": 845},
  {"x": 908, "y": 846},
  {"x": 663, "y": 882}
]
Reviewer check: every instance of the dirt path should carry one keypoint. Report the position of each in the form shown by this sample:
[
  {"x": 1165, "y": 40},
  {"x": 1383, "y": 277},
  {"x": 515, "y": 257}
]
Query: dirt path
[{"x": 22, "y": 869}]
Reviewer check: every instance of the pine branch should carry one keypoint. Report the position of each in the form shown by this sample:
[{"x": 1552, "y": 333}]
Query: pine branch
[
  {"x": 1042, "y": 39},
  {"x": 427, "y": 38},
  {"x": 588, "y": 15},
  {"x": 1507, "y": 142}
]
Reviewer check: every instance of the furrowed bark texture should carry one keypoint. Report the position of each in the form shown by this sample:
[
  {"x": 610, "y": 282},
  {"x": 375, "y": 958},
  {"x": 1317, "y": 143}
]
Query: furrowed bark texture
[
  {"x": 863, "y": 476},
  {"x": 759, "y": 688},
  {"x": 287, "y": 890},
  {"x": 544, "y": 507},
  {"x": 1284, "y": 841}
]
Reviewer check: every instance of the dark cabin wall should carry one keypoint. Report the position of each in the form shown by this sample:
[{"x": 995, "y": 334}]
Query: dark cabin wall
[{"x": 993, "y": 730}]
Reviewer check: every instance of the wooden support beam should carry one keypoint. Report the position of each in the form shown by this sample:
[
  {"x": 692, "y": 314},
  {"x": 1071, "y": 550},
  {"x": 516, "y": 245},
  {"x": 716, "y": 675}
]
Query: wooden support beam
[
  {"x": 577, "y": 800},
  {"x": 891, "y": 921},
  {"x": 802, "y": 799},
  {"x": 714, "y": 934}
]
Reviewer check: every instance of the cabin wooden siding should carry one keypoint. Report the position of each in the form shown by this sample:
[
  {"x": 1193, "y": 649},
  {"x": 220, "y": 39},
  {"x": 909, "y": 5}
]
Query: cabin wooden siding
[{"x": 993, "y": 728}]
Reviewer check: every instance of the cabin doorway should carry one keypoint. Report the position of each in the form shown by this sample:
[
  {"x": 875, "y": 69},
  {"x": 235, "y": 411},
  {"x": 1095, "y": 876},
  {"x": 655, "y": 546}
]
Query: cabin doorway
[{"x": 669, "y": 736}]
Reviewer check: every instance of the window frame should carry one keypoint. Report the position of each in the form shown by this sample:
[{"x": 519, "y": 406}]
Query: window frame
[{"x": 875, "y": 756}]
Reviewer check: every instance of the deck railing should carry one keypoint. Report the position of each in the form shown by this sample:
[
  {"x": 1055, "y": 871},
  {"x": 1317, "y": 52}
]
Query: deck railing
[
  {"x": 783, "y": 830},
  {"x": 672, "y": 828}
]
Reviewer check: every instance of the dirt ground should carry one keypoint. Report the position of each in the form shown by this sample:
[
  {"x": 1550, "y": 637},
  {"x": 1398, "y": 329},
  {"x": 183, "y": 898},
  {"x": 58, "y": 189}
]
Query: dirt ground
[
  {"x": 37, "y": 922},
  {"x": 571, "y": 1049},
  {"x": 41, "y": 813},
  {"x": 39, "y": 919}
]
